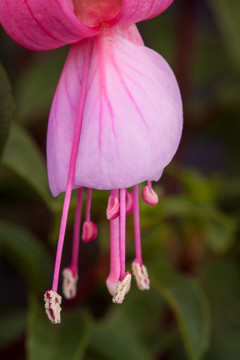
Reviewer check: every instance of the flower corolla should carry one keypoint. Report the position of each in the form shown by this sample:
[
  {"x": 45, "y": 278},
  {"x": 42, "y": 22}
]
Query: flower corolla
[{"x": 115, "y": 121}]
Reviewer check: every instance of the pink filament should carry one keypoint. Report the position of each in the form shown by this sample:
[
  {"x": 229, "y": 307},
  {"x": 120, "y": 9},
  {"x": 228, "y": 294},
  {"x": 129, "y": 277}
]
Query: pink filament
[
  {"x": 114, "y": 249},
  {"x": 114, "y": 234},
  {"x": 76, "y": 231},
  {"x": 88, "y": 206},
  {"x": 149, "y": 184},
  {"x": 122, "y": 232},
  {"x": 137, "y": 225},
  {"x": 71, "y": 171}
]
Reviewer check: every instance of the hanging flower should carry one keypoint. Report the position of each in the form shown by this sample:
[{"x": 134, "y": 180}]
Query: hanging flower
[{"x": 115, "y": 121}]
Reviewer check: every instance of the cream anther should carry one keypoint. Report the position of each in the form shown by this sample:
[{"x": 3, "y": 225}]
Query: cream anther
[
  {"x": 141, "y": 275},
  {"x": 52, "y": 306},
  {"x": 122, "y": 289},
  {"x": 69, "y": 283}
]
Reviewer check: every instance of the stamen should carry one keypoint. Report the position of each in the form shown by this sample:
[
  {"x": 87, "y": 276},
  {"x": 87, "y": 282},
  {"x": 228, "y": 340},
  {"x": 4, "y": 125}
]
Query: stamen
[
  {"x": 76, "y": 231},
  {"x": 113, "y": 207},
  {"x": 88, "y": 206},
  {"x": 70, "y": 274},
  {"x": 122, "y": 232},
  {"x": 52, "y": 306},
  {"x": 69, "y": 283},
  {"x": 138, "y": 249},
  {"x": 141, "y": 275},
  {"x": 149, "y": 195},
  {"x": 113, "y": 277},
  {"x": 89, "y": 231},
  {"x": 129, "y": 203},
  {"x": 124, "y": 283},
  {"x": 122, "y": 289},
  {"x": 71, "y": 171},
  {"x": 139, "y": 270}
]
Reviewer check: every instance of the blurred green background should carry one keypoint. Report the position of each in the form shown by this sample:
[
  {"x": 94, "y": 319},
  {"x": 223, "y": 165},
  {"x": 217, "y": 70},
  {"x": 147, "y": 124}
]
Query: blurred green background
[{"x": 190, "y": 240}]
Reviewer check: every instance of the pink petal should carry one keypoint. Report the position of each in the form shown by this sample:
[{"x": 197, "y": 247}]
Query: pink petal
[
  {"x": 42, "y": 24},
  {"x": 134, "y": 11},
  {"x": 132, "y": 120}
]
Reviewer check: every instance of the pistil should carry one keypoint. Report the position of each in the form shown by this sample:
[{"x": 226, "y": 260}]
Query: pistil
[{"x": 71, "y": 172}]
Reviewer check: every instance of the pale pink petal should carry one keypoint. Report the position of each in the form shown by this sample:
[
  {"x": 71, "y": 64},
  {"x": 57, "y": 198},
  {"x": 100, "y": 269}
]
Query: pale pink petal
[
  {"x": 42, "y": 24},
  {"x": 134, "y": 11},
  {"x": 132, "y": 120}
]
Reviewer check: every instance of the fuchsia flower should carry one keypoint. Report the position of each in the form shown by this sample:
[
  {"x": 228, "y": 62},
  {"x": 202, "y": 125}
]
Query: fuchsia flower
[{"x": 115, "y": 121}]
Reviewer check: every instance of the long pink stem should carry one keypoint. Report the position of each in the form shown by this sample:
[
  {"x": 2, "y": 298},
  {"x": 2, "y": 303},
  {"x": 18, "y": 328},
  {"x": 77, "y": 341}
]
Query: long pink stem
[
  {"x": 137, "y": 225},
  {"x": 76, "y": 231},
  {"x": 71, "y": 171},
  {"x": 122, "y": 232},
  {"x": 88, "y": 205}
]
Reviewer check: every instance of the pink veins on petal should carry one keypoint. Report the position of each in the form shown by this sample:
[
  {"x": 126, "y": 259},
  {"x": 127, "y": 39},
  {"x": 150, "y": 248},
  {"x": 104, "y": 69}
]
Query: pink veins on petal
[{"x": 148, "y": 125}]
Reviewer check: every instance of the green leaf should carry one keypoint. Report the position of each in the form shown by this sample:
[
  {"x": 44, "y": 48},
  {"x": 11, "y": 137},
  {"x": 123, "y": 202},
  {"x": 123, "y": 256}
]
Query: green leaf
[
  {"x": 67, "y": 341},
  {"x": 36, "y": 87},
  {"x": 6, "y": 107},
  {"x": 27, "y": 254},
  {"x": 116, "y": 344},
  {"x": 22, "y": 156},
  {"x": 227, "y": 13},
  {"x": 189, "y": 305},
  {"x": 12, "y": 326},
  {"x": 221, "y": 280},
  {"x": 129, "y": 331},
  {"x": 220, "y": 236}
]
